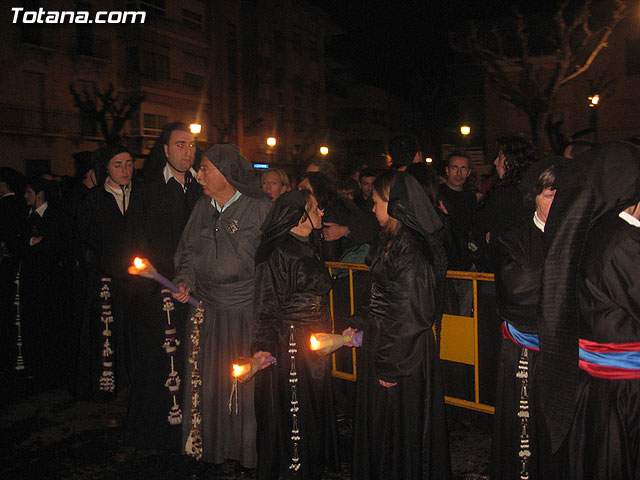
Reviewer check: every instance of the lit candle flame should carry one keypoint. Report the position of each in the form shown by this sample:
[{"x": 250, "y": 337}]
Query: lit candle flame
[
  {"x": 138, "y": 263},
  {"x": 239, "y": 370},
  {"x": 315, "y": 344}
]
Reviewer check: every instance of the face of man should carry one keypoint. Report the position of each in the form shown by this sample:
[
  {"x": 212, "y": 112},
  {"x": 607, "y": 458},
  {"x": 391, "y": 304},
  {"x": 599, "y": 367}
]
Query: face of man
[
  {"x": 212, "y": 181},
  {"x": 366, "y": 185},
  {"x": 272, "y": 186},
  {"x": 120, "y": 169},
  {"x": 30, "y": 197},
  {"x": 180, "y": 151},
  {"x": 457, "y": 172}
]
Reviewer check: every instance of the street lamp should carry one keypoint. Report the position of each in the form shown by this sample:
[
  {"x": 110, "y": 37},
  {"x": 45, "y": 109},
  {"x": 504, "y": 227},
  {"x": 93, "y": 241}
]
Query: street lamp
[
  {"x": 465, "y": 130},
  {"x": 195, "y": 128},
  {"x": 271, "y": 142},
  {"x": 324, "y": 151}
]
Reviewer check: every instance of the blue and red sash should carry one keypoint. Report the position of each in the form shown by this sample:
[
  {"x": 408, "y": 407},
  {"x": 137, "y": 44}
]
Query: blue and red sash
[
  {"x": 614, "y": 361},
  {"x": 526, "y": 340}
]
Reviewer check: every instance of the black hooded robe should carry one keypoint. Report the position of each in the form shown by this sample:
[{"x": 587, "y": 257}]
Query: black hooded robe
[
  {"x": 109, "y": 241},
  {"x": 604, "y": 441},
  {"x": 293, "y": 286},
  {"x": 401, "y": 432}
]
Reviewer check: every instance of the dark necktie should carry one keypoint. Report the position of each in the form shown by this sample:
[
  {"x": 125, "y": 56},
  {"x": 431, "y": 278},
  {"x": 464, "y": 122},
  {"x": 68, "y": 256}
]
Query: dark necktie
[{"x": 124, "y": 198}]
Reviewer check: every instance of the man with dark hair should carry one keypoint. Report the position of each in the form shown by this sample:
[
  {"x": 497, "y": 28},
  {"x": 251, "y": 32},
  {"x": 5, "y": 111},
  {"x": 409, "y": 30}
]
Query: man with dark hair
[
  {"x": 170, "y": 193},
  {"x": 404, "y": 150},
  {"x": 459, "y": 204},
  {"x": 364, "y": 199}
]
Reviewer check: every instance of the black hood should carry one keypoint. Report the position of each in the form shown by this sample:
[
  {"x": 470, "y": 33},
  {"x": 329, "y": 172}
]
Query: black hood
[
  {"x": 236, "y": 169},
  {"x": 409, "y": 204},
  {"x": 602, "y": 180},
  {"x": 285, "y": 214}
]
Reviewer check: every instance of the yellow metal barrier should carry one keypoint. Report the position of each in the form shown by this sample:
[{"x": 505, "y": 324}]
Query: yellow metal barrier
[{"x": 459, "y": 336}]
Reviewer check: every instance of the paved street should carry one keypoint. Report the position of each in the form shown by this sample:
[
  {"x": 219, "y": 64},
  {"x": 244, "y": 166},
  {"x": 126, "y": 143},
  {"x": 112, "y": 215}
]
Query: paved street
[{"x": 49, "y": 435}]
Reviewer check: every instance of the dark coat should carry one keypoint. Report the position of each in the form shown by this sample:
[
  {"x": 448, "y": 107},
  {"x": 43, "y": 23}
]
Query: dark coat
[
  {"x": 167, "y": 208},
  {"x": 502, "y": 208}
]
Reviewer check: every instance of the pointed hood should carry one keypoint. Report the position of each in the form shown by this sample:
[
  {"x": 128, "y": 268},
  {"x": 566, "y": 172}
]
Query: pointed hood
[
  {"x": 236, "y": 169},
  {"x": 409, "y": 204},
  {"x": 285, "y": 214},
  {"x": 602, "y": 180}
]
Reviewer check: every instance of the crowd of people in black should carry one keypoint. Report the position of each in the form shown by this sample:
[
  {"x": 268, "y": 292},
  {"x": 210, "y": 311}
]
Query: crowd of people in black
[{"x": 561, "y": 235}]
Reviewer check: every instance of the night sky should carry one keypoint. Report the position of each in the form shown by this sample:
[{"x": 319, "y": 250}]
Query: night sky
[{"x": 390, "y": 41}]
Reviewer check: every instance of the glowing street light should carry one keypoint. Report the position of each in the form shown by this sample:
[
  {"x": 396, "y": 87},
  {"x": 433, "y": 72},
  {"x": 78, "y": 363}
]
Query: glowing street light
[
  {"x": 465, "y": 130},
  {"x": 195, "y": 128},
  {"x": 271, "y": 142},
  {"x": 324, "y": 151},
  {"x": 594, "y": 101}
]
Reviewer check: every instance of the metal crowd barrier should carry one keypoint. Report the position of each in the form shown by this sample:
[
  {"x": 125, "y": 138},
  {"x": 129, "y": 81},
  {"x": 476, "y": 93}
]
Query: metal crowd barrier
[{"x": 459, "y": 336}]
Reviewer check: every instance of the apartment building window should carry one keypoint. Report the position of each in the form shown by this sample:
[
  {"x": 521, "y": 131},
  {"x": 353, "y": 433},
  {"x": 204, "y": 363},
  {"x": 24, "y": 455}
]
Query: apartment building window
[
  {"x": 153, "y": 124},
  {"x": 192, "y": 80},
  {"x": 154, "y": 64},
  {"x": 192, "y": 19}
]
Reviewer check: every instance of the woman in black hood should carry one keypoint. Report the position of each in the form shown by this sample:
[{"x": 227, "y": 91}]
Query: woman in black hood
[
  {"x": 400, "y": 423},
  {"x": 296, "y": 433}
]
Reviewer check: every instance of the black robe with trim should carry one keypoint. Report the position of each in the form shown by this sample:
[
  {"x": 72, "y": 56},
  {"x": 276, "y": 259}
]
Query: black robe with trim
[
  {"x": 42, "y": 324},
  {"x": 519, "y": 257},
  {"x": 399, "y": 429},
  {"x": 109, "y": 242},
  {"x": 13, "y": 216},
  {"x": 292, "y": 287},
  {"x": 604, "y": 440},
  {"x": 167, "y": 208}
]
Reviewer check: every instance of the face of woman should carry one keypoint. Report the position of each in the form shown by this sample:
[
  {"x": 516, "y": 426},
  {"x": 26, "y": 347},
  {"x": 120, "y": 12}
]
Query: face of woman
[
  {"x": 543, "y": 203},
  {"x": 272, "y": 186},
  {"x": 500, "y": 162},
  {"x": 380, "y": 209}
]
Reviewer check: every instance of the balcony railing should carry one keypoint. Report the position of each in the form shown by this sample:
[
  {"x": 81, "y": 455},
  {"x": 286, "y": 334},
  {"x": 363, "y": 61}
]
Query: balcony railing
[{"x": 32, "y": 120}]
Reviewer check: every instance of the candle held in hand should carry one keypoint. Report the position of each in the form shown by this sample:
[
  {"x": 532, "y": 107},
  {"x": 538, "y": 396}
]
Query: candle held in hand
[{"x": 325, "y": 343}]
